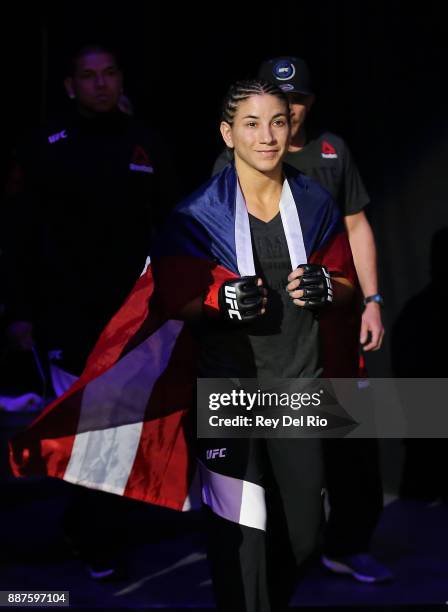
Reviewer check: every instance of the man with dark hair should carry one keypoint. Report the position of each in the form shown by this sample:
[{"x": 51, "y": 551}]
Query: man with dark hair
[
  {"x": 94, "y": 79},
  {"x": 352, "y": 467},
  {"x": 85, "y": 195}
]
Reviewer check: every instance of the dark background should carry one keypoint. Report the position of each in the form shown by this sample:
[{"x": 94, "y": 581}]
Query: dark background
[{"x": 379, "y": 71}]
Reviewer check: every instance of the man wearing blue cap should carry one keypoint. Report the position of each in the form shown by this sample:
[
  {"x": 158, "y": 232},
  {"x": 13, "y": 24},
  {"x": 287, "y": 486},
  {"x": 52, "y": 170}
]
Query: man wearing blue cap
[{"x": 352, "y": 468}]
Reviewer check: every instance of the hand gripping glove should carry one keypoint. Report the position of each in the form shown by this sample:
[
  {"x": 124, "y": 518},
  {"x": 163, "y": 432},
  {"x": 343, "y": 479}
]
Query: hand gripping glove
[
  {"x": 240, "y": 299},
  {"x": 316, "y": 286}
]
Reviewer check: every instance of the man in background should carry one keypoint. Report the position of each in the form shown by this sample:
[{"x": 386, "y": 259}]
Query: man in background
[{"x": 85, "y": 195}]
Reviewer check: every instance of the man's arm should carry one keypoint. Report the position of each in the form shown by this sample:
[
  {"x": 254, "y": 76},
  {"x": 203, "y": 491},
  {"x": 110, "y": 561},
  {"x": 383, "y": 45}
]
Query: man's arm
[
  {"x": 343, "y": 290},
  {"x": 362, "y": 243}
]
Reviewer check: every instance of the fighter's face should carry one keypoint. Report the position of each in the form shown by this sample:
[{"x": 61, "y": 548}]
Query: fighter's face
[
  {"x": 96, "y": 83},
  {"x": 299, "y": 107},
  {"x": 260, "y": 132}
]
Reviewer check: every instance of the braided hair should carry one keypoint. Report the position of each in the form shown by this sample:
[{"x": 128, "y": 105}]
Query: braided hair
[{"x": 242, "y": 90}]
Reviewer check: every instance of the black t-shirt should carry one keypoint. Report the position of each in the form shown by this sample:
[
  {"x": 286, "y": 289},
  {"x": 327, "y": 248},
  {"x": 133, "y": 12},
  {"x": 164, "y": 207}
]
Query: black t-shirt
[
  {"x": 84, "y": 210},
  {"x": 81, "y": 209},
  {"x": 282, "y": 343},
  {"x": 327, "y": 159}
]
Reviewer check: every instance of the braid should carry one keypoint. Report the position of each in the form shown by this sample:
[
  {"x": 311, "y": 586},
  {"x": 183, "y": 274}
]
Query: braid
[{"x": 242, "y": 90}]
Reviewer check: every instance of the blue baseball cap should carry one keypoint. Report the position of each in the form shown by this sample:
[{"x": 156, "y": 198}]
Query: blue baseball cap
[{"x": 291, "y": 74}]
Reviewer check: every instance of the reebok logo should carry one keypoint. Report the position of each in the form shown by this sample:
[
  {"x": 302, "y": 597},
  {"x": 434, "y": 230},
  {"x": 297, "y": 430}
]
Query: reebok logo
[
  {"x": 230, "y": 294},
  {"x": 140, "y": 161},
  {"x": 328, "y": 151},
  {"x": 55, "y": 137},
  {"x": 214, "y": 453}
]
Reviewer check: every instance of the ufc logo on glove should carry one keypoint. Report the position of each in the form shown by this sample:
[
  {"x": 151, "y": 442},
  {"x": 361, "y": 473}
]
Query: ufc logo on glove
[
  {"x": 241, "y": 299},
  {"x": 230, "y": 295}
]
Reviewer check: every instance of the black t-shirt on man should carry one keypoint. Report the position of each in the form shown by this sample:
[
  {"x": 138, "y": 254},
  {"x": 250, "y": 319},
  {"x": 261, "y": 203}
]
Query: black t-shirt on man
[{"x": 84, "y": 198}]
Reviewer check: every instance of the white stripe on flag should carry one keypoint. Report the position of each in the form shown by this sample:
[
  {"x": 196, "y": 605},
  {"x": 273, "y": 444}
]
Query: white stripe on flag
[
  {"x": 243, "y": 242},
  {"x": 112, "y": 413},
  {"x": 292, "y": 227},
  {"x": 234, "y": 499},
  {"x": 146, "y": 266},
  {"x": 193, "y": 500},
  {"x": 253, "y": 506}
]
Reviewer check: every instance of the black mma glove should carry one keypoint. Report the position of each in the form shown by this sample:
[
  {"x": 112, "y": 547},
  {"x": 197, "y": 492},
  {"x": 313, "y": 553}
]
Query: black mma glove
[
  {"x": 240, "y": 299},
  {"x": 316, "y": 286}
]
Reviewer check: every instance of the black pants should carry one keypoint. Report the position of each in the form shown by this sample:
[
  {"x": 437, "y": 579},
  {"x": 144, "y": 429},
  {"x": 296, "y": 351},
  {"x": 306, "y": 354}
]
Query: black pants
[
  {"x": 353, "y": 481},
  {"x": 254, "y": 566}
]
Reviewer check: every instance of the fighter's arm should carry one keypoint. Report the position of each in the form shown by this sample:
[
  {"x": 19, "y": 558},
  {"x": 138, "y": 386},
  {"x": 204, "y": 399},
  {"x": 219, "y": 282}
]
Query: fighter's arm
[
  {"x": 362, "y": 243},
  {"x": 238, "y": 300}
]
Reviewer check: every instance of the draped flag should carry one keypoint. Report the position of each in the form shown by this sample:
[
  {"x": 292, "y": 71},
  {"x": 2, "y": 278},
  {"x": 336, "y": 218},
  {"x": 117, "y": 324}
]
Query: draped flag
[{"x": 125, "y": 426}]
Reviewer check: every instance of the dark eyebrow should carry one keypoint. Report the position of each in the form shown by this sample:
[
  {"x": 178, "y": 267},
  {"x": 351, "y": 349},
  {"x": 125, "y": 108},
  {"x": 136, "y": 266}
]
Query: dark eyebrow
[
  {"x": 256, "y": 117},
  {"x": 91, "y": 70}
]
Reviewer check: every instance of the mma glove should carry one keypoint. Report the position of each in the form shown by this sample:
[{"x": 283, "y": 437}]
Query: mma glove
[
  {"x": 316, "y": 286},
  {"x": 240, "y": 300}
]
